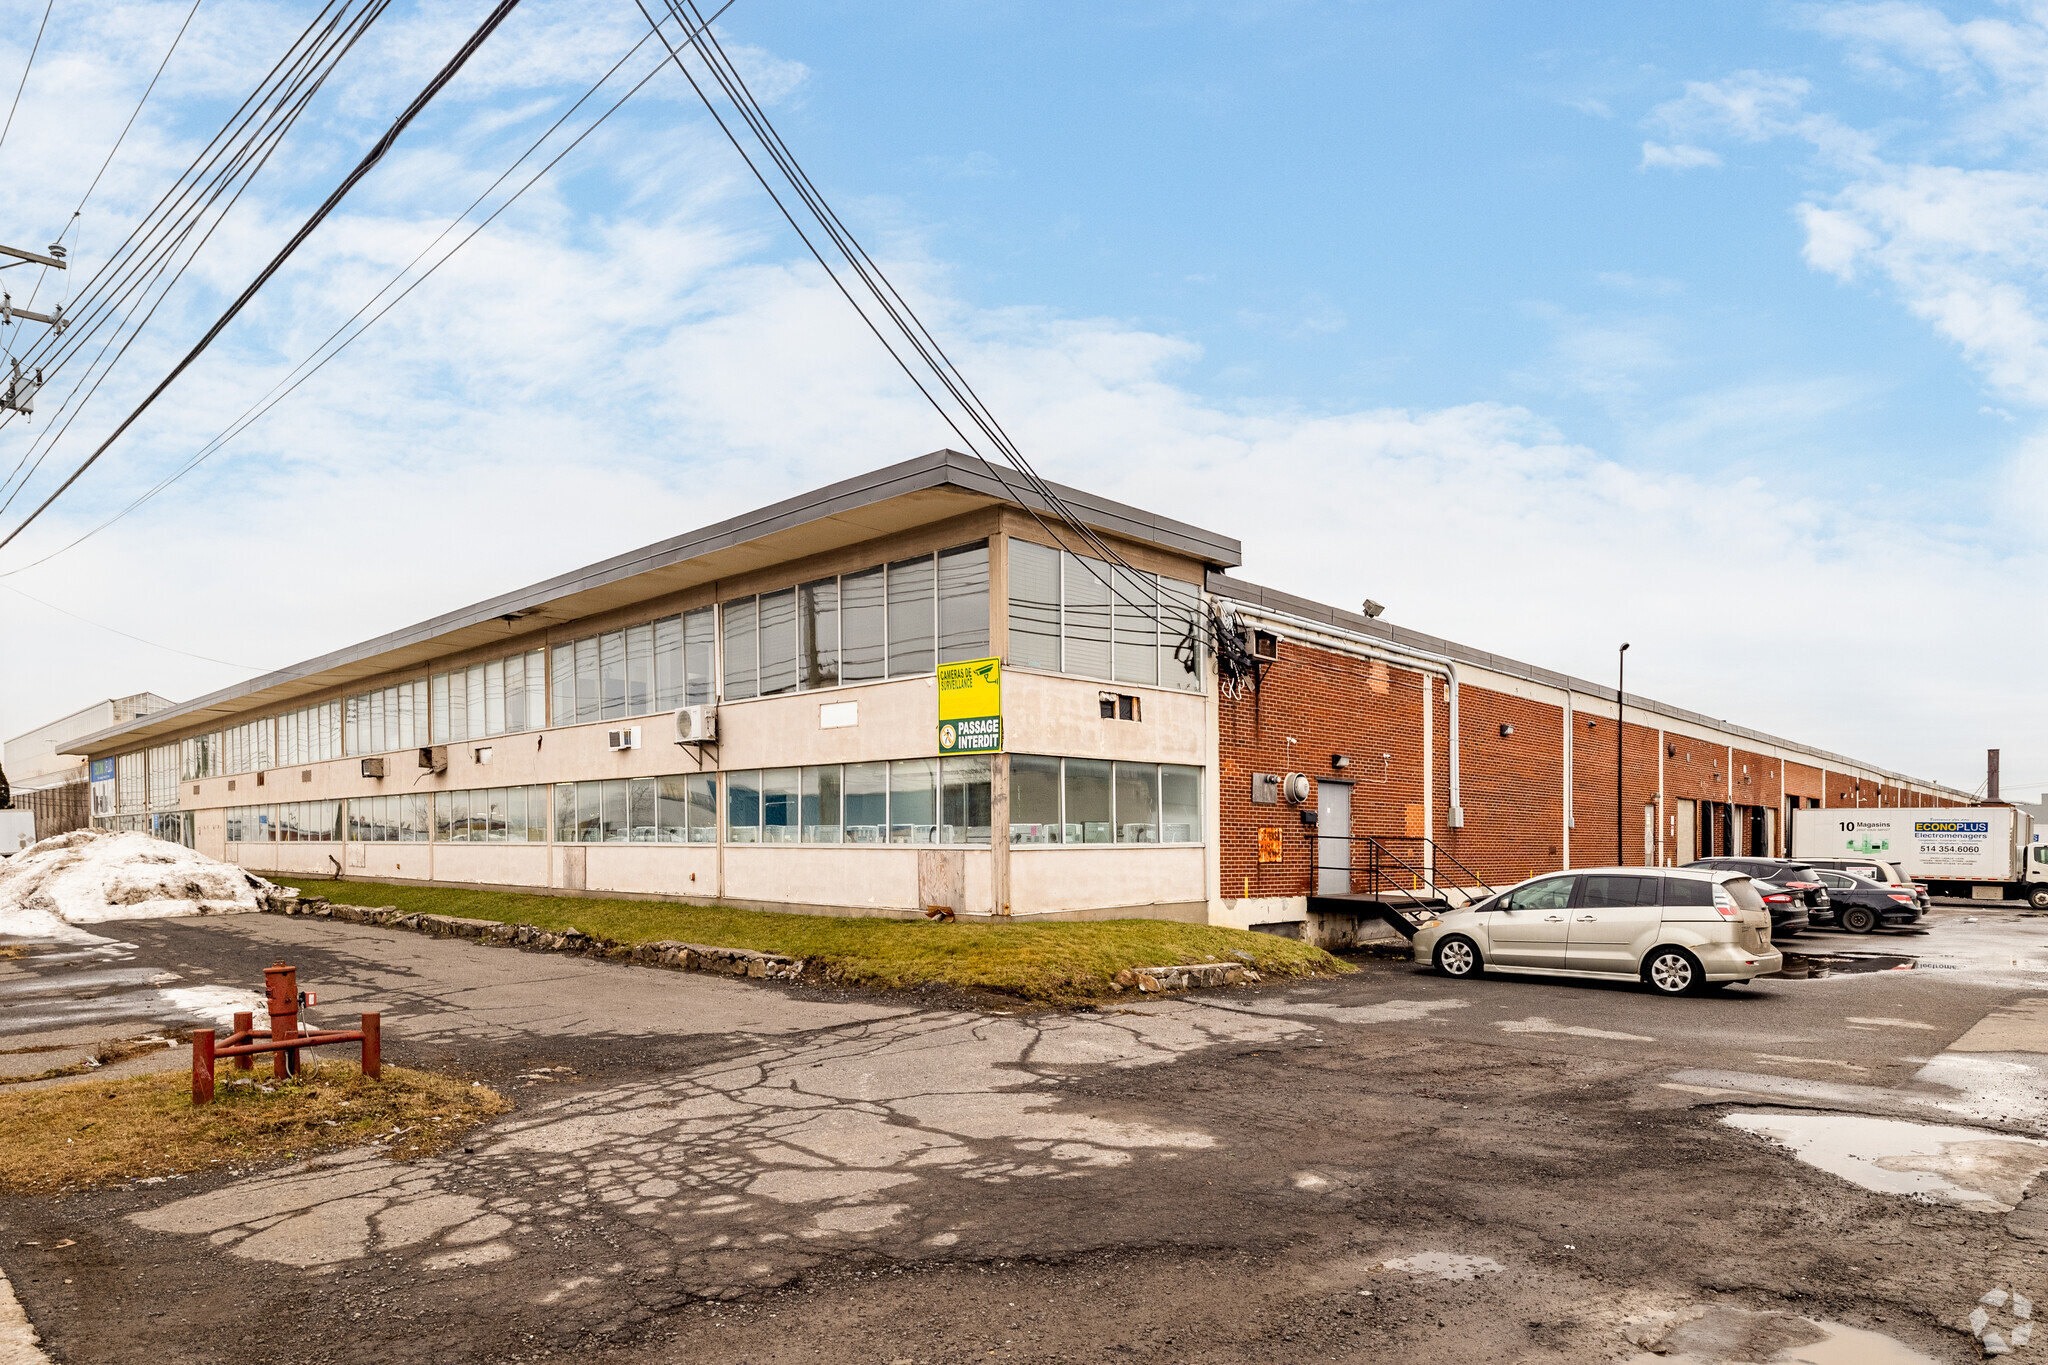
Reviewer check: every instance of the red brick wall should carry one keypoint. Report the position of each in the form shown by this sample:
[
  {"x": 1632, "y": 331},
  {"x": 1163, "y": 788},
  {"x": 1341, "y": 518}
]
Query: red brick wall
[
  {"x": 1328, "y": 704},
  {"x": 1372, "y": 713},
  {"x": 1512, "y": 786}
]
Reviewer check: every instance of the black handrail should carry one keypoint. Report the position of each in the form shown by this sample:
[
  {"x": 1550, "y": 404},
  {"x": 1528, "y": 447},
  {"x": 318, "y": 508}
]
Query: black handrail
[{"x": 1378, "y": 853}]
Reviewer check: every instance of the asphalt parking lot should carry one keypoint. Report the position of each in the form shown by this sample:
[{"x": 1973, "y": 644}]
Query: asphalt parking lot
[{"x": 1385, "y": 1166}]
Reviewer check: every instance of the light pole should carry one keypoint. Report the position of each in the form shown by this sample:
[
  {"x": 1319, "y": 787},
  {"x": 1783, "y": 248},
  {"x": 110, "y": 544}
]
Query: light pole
[{"x": 1620, "y": 676}]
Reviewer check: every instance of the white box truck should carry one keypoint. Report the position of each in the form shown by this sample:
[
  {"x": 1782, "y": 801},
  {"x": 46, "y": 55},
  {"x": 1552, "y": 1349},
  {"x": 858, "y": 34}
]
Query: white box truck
[
  {"x": 1985, "y": 852},
  {"x": 17, "y": 831}
]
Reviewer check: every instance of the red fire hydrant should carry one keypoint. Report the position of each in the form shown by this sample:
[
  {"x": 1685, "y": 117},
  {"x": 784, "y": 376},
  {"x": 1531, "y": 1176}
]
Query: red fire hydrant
[{"x": 281, "y": 987}]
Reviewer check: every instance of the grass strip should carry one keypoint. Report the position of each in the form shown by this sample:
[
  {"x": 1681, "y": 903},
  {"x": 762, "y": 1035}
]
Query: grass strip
[
  {"x": 72, "y": 1137},
  {"x": 1051, "y": 963}
]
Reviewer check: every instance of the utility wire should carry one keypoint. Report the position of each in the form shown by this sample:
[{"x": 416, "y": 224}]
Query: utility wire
[
  {"x": 134, "y": 114},
  {"x": 889, "y": 300},
  {"x": 897, "y": 307},
  {"x": 33, "y": 49},
  {"x": 178, "y": 212},
  {"x": 100, "y": 625},
  {"x": 243, "y": 144},
  {"x": 256, "y": 411},
  {"x": 42, "y": 447},
  {"x": 370, "y": 159}
]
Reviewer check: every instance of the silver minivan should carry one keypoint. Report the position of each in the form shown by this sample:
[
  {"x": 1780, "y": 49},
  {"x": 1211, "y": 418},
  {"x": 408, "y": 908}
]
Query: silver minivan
[{"x": 1676, "y": 929}]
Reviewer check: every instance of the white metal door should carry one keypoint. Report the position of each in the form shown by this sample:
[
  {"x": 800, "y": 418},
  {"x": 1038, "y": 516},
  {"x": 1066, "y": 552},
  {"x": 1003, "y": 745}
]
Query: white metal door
[{"x": 1333, "y": 839}]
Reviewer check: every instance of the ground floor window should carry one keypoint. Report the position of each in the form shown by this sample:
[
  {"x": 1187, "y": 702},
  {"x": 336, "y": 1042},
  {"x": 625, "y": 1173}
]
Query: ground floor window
[
  {"x": 493, "y": 815},
  {"x": 1096, "y": 801},
  {"x": 907, "y": 801},
  {"x": 290, "y": 822},
  {"x": 678, "y": 809},
  {"x": 400, "y": 819},
  {"x": 174, "y": 826}
]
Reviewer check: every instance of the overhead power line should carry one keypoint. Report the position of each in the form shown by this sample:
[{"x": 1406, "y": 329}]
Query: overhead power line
[
  {"x": 936, "y": 372},
  {"x": 362, "y": 168},
  {"x": 30, "y": 66},
  {"x": 317, "y": 360},
  {"x": 218, "y": 176},
  {"x": 112, "y": 630}
]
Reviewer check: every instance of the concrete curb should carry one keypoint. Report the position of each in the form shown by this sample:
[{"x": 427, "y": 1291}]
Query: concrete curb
[{"x": 684, "y": 957}]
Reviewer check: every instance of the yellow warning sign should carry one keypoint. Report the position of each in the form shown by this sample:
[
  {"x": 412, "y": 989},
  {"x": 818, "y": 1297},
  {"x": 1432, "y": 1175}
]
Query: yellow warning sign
[{"x": 971, "y": 707}]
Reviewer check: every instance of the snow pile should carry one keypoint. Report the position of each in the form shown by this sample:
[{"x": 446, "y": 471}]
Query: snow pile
[{"x": 90, "y": 876}]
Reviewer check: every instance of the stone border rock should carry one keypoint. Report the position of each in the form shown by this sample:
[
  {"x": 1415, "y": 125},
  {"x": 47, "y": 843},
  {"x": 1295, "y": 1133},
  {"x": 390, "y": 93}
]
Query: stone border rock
[
  {"x": 1191, "y": 976},
  {"x": 689, "y": 957},
  {"x": 684, "y": 957}
]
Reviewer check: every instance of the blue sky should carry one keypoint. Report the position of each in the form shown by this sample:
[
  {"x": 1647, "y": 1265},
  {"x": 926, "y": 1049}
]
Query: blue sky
[{"x": 1715, "y": 328}]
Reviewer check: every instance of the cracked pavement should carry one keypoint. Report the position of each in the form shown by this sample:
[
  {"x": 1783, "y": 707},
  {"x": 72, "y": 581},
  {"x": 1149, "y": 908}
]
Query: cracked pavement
[{"x": 701, "y": 1168}]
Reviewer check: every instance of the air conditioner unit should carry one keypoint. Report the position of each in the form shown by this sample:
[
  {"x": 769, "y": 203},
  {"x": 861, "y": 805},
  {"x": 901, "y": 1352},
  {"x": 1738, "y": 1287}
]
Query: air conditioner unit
[
  {"x": 623, "y": 738},
  {"x": 373, "y": 767},
  {"x": 697, "y": 725},
  {"x": 435, "y": 759}
]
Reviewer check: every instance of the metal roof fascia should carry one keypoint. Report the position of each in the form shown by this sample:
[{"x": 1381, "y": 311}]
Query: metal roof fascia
[
  {"x": 1223, "y": 585},
  {"x": 924, "y": 473}
]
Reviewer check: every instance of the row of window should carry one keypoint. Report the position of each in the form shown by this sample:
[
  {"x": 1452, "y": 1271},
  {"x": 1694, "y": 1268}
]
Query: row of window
[
  {"x": 1072, "y": 614},
  {"x": 891, "y": 621},
  {"x": 503, "y": 697},
  {"x": 310, "y": 735},
  {"x": 1096, "y": 801},
  {"x": 636, "y": 671},
  {"x": 387, "y": 719},
  {"x": 1067, "y": 613},
  {"x": 289, "y": 822},
  {"x": 908, "y": 801}
]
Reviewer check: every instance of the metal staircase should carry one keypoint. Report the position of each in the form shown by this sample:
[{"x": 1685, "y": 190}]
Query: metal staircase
[{"x": 1403, "y": 879}]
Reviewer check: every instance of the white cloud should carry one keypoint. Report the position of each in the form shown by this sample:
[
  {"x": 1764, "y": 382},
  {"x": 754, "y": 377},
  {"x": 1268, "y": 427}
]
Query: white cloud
[
  {"x": 1681, "y": 157},
  {"x": 637, "y": 350}
]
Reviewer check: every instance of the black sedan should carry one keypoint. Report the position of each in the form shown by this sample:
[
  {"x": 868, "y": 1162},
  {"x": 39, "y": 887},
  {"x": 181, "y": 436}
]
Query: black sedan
[
  {"x": 1788, "y": 907},
  {"x": 1798, "y": 882},
  {"x": 1862, "y": 904}
]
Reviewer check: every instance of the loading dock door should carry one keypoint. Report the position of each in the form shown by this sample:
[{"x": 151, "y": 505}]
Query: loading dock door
[
  {"x": 1688, "y": 826},
  {"x": 1333, "y": 839}
]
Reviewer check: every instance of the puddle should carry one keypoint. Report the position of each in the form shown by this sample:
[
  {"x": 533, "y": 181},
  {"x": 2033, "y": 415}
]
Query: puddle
[
  {"x": 1726, "y": 1335},
  {"x": 1967, "y": 1167},
  {"x": 1804, "y": 966}
]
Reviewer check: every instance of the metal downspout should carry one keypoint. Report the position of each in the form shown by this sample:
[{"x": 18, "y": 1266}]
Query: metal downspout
[{"x": 1372, "y": 647}]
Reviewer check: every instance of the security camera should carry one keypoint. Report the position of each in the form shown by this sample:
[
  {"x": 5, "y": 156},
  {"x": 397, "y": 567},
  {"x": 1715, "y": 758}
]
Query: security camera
[{"x": 1372, "y": 608}]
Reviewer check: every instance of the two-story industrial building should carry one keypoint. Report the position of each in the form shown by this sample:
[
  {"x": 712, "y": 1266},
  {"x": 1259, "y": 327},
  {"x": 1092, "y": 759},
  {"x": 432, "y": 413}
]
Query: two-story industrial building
[{"x": 756, "y": 713}]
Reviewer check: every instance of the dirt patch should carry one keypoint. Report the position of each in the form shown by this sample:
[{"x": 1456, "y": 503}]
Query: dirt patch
[{"x": 108, "y": 1133}]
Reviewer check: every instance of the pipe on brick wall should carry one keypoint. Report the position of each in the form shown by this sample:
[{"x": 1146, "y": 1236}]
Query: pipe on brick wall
[{"x": 1342, "y": 641}]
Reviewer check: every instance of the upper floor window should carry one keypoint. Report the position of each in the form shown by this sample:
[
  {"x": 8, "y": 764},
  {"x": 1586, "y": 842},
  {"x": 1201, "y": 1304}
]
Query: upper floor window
[
  {"x": 246, "y": 748},
  {"x": 311, "y": 735},
  {"x": 894, "y": 620},
  {"x": 391, "y": 718},
  {"x": 1073, "y": 614},
  {"x": 654, "y": 667},
  {"x": 200, "y": 757},
  {"x": 501, "y": 697}
]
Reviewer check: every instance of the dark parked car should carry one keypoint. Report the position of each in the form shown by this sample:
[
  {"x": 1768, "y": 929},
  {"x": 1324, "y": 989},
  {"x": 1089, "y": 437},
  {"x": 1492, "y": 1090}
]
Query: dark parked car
[
  {"x": 1876, "y": 870},
  {"x": 1862, "y": 904},
  {"x": 1792, "y": 892}
]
